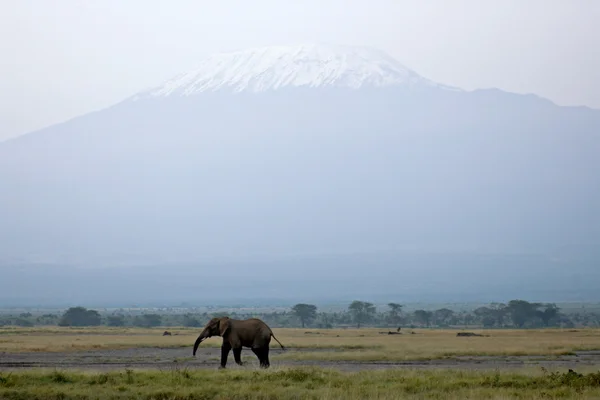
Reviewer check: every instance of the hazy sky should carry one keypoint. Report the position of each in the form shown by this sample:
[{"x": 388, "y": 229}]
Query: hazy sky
[{"x": 64, "y": 58}]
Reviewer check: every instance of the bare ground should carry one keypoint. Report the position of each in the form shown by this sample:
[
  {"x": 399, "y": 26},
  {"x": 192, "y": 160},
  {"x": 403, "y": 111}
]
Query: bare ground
[{"x": 169, "y": 358}]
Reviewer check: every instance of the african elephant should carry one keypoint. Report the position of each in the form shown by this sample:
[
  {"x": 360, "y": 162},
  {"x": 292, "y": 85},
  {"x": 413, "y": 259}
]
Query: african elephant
[{"x": 252, "y": 333}]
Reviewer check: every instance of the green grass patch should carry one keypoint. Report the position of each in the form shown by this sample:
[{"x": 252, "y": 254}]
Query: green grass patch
[{"x": 298, "y": 383}]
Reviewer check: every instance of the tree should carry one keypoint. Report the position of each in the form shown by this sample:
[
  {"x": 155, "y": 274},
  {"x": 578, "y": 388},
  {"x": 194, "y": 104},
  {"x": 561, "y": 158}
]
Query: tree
[
  {"x": 493, "y": 315},
  {"x": 191, "y": 321},
  {"x": 499, "y": 312},
  {"x": 521, "y": 311},
  {"x": 486, "y": 316},
  {"x": 423, "y": 317},
  {"x": 80, "y": 316},
  {"x": 306, "y": 312},
  {"x": 22, "y": 322},
  {"x": 467, "y": 318},
  {"x": 394, "y": 315},
  {"x": 148, "y": 320},
  {"x": 115, "y": 320},
  {"x": 442, "y": 316},
  {"x": 48, "y": 319},
  {"x": 548, "y": 314},
  {"x": 361, "y": 311},
  {"x": 487, "y": 320},
  {"x": 324, "y": 320}
]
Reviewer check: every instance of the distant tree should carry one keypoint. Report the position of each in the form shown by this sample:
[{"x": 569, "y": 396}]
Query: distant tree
[
  {"x": 325, "y": 320},
  {"x": 22, "y": 322},
  {"x": 564, "y": 321},
  {"x": 190, "y": 321},
  {"x": 467, "y": 318},
  {"x": 47, "y": 319},
  {"x": 394, "y": 315},
  {"x": 549, "y": 313},
  {"x": 361, "y": 311},
  {"x": 148, "y": 320},
  {"x": 488, "y": 321},
  {"x": 306, "y": 312},
  {"x": 491, "y": 316},
  {"x": 115, "y": 320},
  {"x": 442, "y": 316},
  {"x": 521, "y": 311},
  {"x": 499, "y": 312},
  {"x": 423, "y": 317},
  {"x": 80, "y": 316},
  {"x": 486, "y": 316}
]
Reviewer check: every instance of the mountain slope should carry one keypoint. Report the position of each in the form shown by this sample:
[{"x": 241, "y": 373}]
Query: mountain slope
[{"x": 240, "y": 174}]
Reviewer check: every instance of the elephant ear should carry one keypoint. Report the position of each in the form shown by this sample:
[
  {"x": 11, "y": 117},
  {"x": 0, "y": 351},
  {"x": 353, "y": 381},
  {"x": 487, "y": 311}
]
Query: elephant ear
[{"x": 223, "y": 325}]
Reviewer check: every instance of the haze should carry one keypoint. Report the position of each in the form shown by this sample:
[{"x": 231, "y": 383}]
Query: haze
[
  {"x": 63, "y": 59},
  {"x": 394, "y": 154}
]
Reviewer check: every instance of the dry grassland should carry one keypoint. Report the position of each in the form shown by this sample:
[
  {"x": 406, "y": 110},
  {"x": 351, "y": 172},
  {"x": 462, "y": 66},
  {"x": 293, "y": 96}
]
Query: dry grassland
[{"x": 345, "y": 344}]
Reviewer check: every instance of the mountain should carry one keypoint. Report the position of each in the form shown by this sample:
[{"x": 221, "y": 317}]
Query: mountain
[
  {"x": 308, "y": 65},
  {"x": 327, "y": 154}
]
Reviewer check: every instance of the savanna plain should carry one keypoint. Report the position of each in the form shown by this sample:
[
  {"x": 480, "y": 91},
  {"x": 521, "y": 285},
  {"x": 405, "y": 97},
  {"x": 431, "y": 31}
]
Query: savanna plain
[{"x": 137, "y": 363}]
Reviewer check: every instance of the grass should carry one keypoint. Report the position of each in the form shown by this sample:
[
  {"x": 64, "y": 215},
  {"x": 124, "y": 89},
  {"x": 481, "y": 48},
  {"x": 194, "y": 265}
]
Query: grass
[
  {"x": 436, "y": 344},
  {"x": 344, "y": 344},
  {"x": 178, "y": 382},
  {"x": 298, "y": 383}
]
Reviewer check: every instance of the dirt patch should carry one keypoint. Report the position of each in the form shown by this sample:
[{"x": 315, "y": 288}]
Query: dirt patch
[{"x": 168, "y": 358}]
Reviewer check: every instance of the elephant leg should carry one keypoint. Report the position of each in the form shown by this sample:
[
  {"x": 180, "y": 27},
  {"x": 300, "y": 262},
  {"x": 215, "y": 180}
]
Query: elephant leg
[
  {"x": 237, "y": 355},
  {"x": 263, "y": 356},
  {"x": 258, "y": 353},
  {"x": 224, "y": 353},
  {"x": 266, "y": 362}
]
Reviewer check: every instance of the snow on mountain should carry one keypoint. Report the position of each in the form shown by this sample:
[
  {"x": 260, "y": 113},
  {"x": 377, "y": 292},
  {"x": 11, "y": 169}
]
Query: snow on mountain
[{"x": 305, "y": 65}]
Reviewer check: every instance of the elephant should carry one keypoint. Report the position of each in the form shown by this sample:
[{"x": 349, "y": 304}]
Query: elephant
[{"x": 252, "y": 333}]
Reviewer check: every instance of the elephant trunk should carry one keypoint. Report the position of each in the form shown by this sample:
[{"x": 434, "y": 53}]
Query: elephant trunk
[{"x": 199, "y": 340}]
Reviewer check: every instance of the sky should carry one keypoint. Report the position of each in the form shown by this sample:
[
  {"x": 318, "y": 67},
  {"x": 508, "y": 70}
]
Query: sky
[{"x": 65, "y": 58}]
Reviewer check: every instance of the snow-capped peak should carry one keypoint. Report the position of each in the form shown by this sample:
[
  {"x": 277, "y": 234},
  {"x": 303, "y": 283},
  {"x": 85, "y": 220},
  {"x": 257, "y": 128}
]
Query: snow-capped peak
[{"x": 275, "y": 67}]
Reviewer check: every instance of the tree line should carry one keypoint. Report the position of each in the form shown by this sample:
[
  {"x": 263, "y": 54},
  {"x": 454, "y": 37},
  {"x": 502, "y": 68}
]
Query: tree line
[{"x": 514, "y": 314}]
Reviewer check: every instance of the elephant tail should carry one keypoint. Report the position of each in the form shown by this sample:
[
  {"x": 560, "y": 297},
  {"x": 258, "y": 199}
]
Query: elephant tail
[{"x": 277, "y": 341}]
